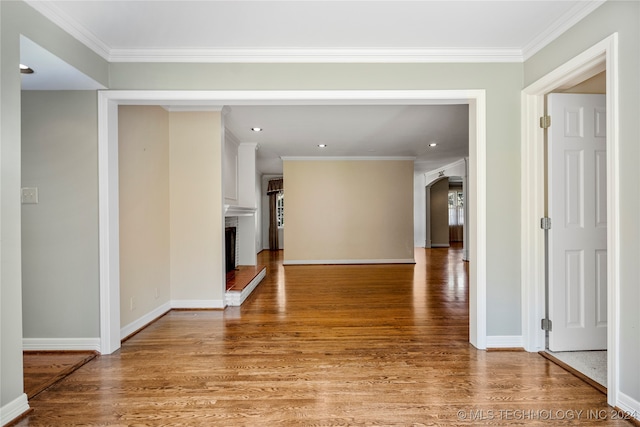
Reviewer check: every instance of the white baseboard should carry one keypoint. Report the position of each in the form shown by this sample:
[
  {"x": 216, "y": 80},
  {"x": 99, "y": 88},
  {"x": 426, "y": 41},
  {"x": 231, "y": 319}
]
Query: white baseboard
[
  {"x": 348, "y": 261},
  {"x": 505, "y": 341},
  {"x": 14, "y": 409},
  {"x": 61, "y": 344},
  {"x": 629, "y": 405},
  {"x": 144, "y": 320},
  {"x": 440, "y": 245},
  {"x": 197, "y": 303},
  {"x": 236, "y": 298}
]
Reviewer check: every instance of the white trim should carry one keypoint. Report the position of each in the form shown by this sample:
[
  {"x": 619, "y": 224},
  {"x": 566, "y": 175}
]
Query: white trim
[
  {"x": 61, "y": 344},
  {"x": 579, "y": 11},
  {"x": 108, "y": 182},
  {"x": 108, "y": 223},
  {"x": 192, "y": 108},
  {"x": 346, "y": 158},
  {"x": 236, "y": 298},
  {"x": 290, "y": 97},
  {"x": 14, "y": 409},
  {"x": 234, "y": 210},
  {"x": 346, "y": 261},
  {"x": 505, "y": 341},
  {"x": 440, "y": 245},
  {"x": 629, "y": 405},
  {"x": 316, "y": 55},
  {"x": 531, "y": 210},
  {"x": 445, "y": 168},
  {"x": 532, "y": 166},
  {"x": 54, "y": 14},
  {"x": 205, "y": 304},
  {"x": 144, "y": 320},
  {"x": 311, "y": 55},
  {"x": 478, "y": 222}
]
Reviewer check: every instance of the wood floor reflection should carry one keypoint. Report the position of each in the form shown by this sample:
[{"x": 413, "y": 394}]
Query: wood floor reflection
[{"x": 323, "y": 345}]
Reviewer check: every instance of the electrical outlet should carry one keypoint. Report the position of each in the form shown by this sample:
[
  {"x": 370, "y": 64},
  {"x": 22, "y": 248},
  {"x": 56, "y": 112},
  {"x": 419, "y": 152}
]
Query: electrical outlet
[
  {"x": 29, "y": 195},
  {"x": 132, "y": 304}
]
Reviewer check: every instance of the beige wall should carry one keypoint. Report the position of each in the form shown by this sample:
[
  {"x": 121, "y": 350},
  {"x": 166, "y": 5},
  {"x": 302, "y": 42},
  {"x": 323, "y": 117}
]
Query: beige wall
[
  {"x": 197, "y": 243},
  {"x": 341, "y": 210},
  {"x": 440, "y": 213},
  {"x": 143, "y": 160},
  {"x": 170, "y": 211},
  {"x": 594, "y": 85}
]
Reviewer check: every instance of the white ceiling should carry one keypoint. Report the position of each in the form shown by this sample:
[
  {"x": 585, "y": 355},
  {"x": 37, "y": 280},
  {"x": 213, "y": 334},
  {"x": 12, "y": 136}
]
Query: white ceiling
[
  {"x": 314, "y": 31},
  {"x": 341, "y": 30},
  {"x": 354, "y": 131}
]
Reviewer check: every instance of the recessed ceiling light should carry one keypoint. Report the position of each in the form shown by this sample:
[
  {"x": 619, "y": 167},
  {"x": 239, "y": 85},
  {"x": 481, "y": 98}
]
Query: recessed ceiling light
[
  {"x": 433, "y": 144},
  {"x": 322, "y": 145},
  {"x": 256, "y": 129},
  {"x": 25, "y": 69}
]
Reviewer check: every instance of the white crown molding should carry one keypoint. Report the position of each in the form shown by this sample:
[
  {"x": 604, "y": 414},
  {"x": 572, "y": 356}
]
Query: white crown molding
[
  {"x": 460, "y": 162},
  {"x": 579, "y": 11},
  {"x": 342, "y": 55},
  {"x": 337, "y": 55},
  {"x": 71, "y": 26}
]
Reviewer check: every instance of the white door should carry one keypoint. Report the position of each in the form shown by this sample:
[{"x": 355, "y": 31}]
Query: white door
[{"x": 578, "y": 210}]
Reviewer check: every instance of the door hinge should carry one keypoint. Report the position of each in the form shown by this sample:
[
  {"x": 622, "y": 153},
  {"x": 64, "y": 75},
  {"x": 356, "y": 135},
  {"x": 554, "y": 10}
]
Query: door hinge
[
  {"x": 545, "y": 122},
  {"x": 546, "y": 325},
  {"x": 545, "y": 223}
]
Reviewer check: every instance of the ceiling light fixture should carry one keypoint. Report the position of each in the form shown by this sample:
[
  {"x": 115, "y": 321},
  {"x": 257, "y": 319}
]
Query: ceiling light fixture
[
  {"x": 433, "y": 144},
  {"x": 256, "y": 129},
  {"x": 322, "y": 145},
  {"x": 25, "y": 69}
]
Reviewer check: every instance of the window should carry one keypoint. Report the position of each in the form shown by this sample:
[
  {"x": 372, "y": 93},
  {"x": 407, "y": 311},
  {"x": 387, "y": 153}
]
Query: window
[
  {"x": 280, "y": 209},
  {"x": 456, "y": 207}
]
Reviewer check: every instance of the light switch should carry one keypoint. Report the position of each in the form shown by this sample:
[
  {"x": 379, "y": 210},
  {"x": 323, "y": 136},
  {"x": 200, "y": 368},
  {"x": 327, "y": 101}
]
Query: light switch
[{"x": 29, "y": 195}]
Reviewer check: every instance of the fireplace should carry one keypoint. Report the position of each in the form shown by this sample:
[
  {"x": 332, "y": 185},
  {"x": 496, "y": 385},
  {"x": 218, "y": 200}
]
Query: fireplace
[{"x": 230, "y": 248}]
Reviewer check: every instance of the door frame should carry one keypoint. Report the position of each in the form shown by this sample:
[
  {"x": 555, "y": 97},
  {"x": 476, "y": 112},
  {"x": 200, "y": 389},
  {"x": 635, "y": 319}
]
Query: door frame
[
  {"x": 600, "y": 57},
  {"x": 108, "y": 197}
]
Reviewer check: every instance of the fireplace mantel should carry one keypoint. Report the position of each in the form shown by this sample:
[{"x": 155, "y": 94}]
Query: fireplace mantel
[{"x": 233, "y": 210}]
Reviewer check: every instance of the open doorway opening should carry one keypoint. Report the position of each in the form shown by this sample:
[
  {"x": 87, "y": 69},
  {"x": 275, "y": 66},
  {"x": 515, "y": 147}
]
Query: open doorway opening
[
  {"x": 108, "y": 142},
  {"x": 576, "y": 202},
  {"x": 600, "y": 57},
  {"x": 445, "y": 212}
]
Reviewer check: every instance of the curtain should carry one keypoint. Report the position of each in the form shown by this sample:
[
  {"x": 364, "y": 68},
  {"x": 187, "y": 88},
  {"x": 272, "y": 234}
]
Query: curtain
[{"x": 275, "y": 186}]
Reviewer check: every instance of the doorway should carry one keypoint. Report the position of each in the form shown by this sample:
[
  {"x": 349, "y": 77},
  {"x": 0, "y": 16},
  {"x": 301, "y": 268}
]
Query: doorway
[
  {"x": 109, "y": 101},
  {"x": 445, "y": 213},
  {"x": 576, "y": 297},
  {"x": 600, "y": 57}
]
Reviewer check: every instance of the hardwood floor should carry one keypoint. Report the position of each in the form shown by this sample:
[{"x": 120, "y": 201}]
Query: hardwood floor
[
  {"x": 41, "y": 369},
  {"x": 324, "y": 345}
]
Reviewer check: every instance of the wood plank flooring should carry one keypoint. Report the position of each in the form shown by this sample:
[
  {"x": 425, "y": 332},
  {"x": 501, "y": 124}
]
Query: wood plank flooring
[
  {"x": 324, "y": 345},
  {"x": 242, "y": 276},
  {"x": 41, "y": 369}
]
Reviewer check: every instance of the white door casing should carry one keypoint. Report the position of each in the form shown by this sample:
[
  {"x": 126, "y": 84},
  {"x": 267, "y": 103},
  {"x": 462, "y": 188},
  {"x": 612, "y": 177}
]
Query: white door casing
[
  {"x": 577, "y": 197},
  {"x": 109, "y": 100}
]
